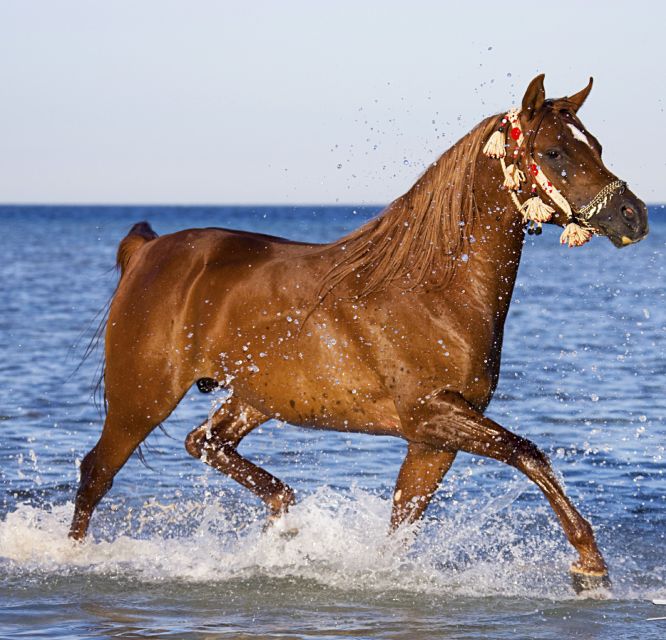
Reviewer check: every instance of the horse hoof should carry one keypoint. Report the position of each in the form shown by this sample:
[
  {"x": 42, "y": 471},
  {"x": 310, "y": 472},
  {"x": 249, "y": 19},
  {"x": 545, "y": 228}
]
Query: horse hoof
[
  {"x": 283, "y": 532},
  {"x": 585, "y": 581},
  {"x": 288, "y": 534},
  {"x": 277, "y": 524}
]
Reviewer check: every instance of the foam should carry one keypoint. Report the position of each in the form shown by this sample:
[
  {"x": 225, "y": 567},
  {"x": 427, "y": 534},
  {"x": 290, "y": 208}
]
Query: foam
[{"x": 480, "y": 549}]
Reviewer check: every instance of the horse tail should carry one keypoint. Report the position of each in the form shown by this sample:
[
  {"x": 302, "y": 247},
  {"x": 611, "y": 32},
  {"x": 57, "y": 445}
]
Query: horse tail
[{"x": 141, "y": 233}]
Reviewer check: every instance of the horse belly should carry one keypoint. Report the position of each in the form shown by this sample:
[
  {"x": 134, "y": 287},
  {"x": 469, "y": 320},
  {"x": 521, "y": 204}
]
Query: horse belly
[{"x": 305, "y": 396}]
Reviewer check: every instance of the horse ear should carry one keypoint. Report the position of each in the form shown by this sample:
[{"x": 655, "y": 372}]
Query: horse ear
[
  {"x": 534, "y": 97},
  {"x": 578, "y": 99}
]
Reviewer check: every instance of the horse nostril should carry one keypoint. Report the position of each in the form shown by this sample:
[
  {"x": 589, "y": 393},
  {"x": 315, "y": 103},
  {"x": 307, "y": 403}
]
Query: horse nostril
[{"x": 628, "y": 213}]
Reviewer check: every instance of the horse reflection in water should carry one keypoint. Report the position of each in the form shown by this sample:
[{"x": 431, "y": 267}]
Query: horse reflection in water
[{"x": 395, "y": 329}]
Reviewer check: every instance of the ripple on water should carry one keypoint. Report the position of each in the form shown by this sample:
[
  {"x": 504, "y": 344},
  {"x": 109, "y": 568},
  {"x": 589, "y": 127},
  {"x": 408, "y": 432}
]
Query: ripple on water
[{"x": 180, "y": 551}]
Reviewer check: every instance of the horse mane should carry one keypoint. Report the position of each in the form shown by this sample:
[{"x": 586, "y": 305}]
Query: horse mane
[{"x": 421, "y": 238}]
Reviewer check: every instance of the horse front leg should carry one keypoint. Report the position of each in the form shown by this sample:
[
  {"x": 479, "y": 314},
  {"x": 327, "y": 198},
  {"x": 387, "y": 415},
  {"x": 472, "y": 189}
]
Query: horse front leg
[
  {"x": 420, "y": 475},
  {"x": 448, "y": 421}
]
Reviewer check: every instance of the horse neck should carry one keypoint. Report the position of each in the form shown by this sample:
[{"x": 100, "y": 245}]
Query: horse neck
[{"x": 498, "y": 235}]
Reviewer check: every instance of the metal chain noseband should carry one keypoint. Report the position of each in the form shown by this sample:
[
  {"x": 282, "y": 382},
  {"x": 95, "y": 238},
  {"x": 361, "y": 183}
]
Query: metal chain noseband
[{"x": 601, "y": 199}]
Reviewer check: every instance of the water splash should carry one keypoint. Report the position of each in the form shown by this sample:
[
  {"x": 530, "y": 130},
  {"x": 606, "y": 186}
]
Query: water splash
[{"x": 482, "y": 550}]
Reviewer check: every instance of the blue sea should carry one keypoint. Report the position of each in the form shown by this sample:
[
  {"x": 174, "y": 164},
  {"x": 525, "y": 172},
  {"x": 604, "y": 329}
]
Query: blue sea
[{"x": 178, "y": 551}]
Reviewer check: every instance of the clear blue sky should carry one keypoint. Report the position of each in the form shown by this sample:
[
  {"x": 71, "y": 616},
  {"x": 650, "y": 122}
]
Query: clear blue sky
[{"x": 164, "y": 101}]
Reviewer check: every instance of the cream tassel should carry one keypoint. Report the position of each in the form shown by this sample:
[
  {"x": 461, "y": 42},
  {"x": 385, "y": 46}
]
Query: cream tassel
[
  {"x": 574, "y": 235},
  {"x": 513, "y": 176},
  {"x": 536, "y": 210},
  {"x": 495, "y": 147}
]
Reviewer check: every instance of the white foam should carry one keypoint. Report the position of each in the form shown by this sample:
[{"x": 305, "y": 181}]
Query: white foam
[{"x": 479, "y": 550}]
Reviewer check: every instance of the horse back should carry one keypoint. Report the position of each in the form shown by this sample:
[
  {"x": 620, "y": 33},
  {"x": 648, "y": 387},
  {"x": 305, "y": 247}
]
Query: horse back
[{"x": 158, "y": 258}]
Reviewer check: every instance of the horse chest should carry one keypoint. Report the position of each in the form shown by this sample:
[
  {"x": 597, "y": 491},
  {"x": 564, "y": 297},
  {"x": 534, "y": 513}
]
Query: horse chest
[{"x": 455, "y": 353}]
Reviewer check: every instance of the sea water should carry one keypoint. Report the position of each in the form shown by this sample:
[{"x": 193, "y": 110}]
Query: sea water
[{"x": 177, "y": 550}]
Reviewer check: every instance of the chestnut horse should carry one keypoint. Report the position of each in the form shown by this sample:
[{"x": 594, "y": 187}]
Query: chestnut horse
[{"x": 395, "y": 329}]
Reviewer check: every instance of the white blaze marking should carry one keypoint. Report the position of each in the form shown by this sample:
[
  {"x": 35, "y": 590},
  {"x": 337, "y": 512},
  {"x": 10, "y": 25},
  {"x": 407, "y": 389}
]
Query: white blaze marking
[{"x": 578, "y": 134}]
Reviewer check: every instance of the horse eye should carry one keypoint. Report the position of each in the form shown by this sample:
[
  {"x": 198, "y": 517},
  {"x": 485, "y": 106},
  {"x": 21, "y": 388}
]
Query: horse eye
[{"x": 553, "y": 154}]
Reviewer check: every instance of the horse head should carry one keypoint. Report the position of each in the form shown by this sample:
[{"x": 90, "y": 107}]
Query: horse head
[{"x": 564, "y": 158}]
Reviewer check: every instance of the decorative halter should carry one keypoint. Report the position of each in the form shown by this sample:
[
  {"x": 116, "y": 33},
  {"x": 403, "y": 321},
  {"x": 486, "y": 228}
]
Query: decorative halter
[{"x": 535, "y": 211}]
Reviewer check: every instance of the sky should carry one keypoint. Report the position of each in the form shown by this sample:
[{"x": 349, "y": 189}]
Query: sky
[{"x": 317, "y": 102}]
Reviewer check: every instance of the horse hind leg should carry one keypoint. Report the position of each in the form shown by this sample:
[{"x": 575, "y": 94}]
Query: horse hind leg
[
  {"x": 216, "y": 441},
  {"x": 123, "y": 432}
]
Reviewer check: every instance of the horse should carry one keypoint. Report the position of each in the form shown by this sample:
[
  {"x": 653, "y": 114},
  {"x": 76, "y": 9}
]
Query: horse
[{"x": 394, "y": 329}]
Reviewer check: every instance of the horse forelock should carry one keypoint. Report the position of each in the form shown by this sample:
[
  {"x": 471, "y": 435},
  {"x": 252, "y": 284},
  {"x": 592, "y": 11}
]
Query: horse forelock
[{"x": 421, "y": 238}]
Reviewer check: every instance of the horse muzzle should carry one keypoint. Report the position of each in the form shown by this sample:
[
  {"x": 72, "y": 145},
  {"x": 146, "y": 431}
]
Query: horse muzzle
[{"x": 625, "y": 222}]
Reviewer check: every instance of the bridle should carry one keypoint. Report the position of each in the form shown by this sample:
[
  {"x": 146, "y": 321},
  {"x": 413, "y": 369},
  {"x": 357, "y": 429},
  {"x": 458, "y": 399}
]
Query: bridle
[
  {"x": 535, "y": 211},
  {"x": 582, "y": 215},
  {"x": 601, "y": 199}
]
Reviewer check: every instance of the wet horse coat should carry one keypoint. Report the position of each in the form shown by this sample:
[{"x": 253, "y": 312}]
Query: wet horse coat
[{"x": 395, "y": 329}]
